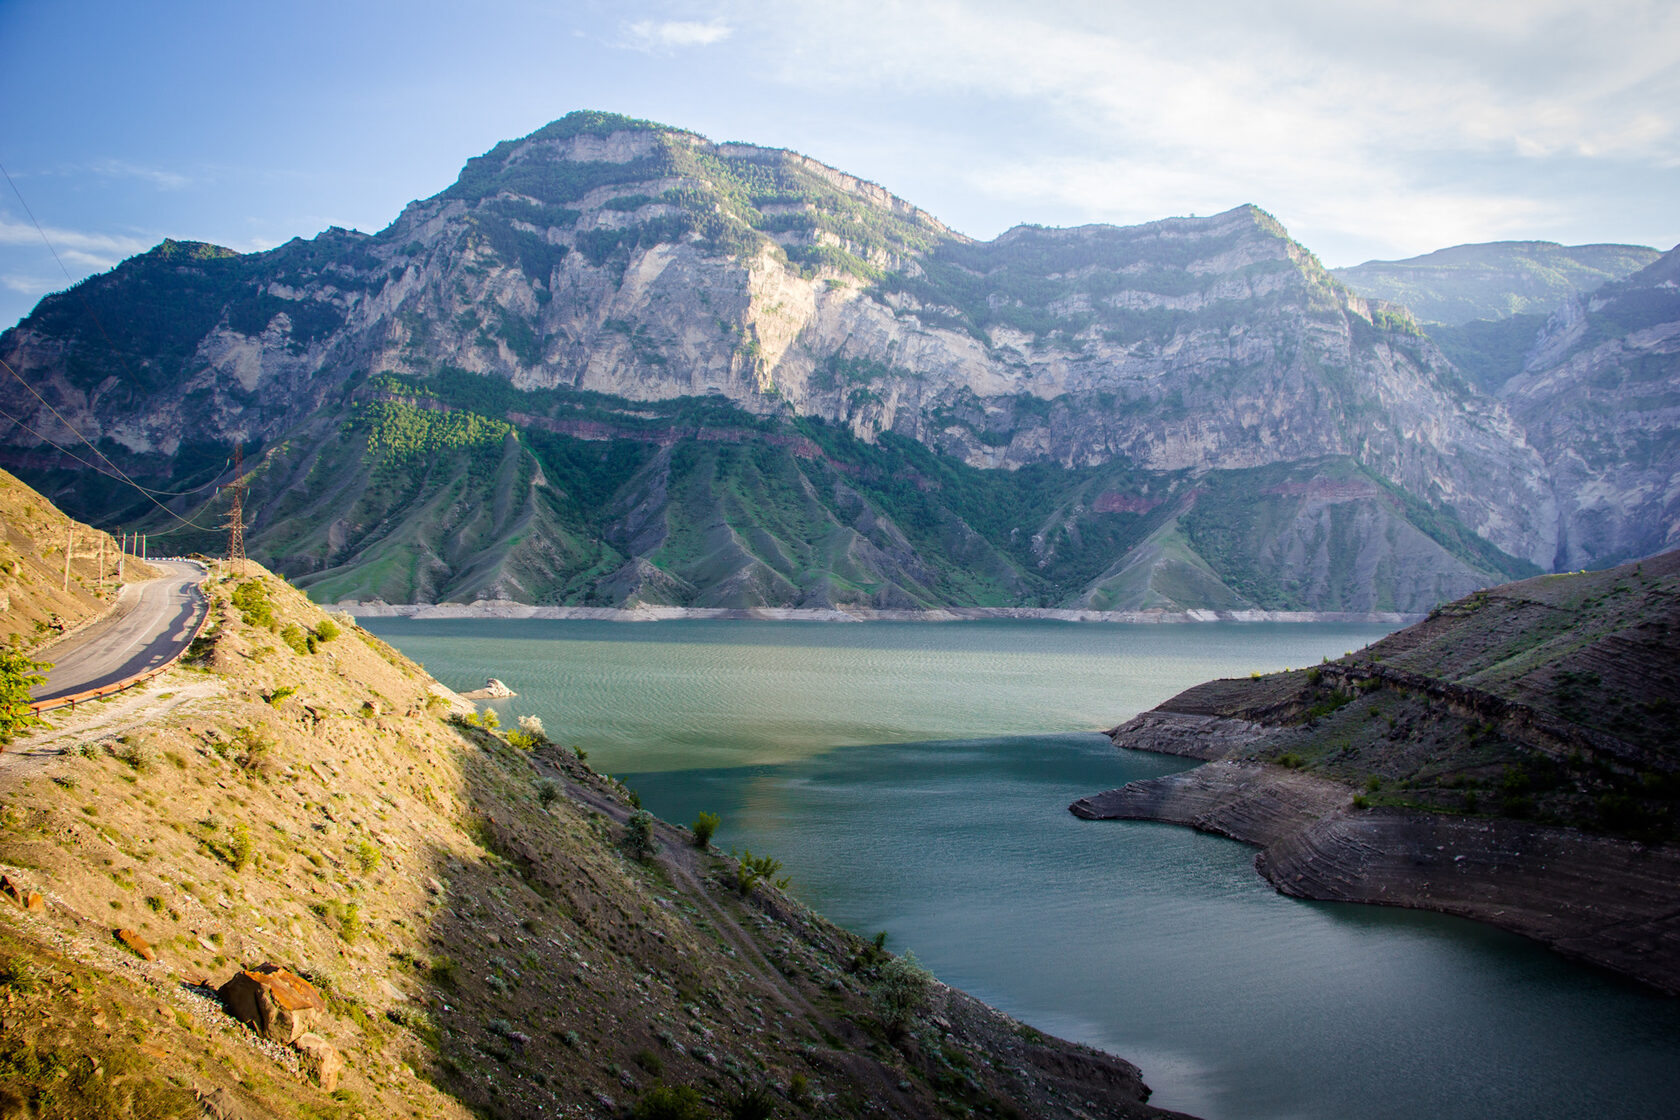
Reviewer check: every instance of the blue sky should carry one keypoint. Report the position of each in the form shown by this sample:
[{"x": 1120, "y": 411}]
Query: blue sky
[{"x": 1371, "y": 129}]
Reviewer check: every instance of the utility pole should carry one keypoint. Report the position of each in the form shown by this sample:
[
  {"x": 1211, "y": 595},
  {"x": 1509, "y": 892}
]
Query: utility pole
[
  {"x": 122, "y": 554},
  {"x": 69, "y": 546},
  {"x": 99, "y": 580},
  {"x": 236, "y": 512}
]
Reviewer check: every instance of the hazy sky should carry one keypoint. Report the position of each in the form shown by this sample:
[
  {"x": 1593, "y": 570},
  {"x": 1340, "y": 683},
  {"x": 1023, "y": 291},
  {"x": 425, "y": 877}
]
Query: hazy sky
[{"x": 1371, "y": 129}]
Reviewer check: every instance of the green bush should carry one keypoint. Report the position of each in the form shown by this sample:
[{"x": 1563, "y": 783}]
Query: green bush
[
  {"x": 704, "y": 826},
  {"x": 901, "y": 994},
  {"x": 548, "y": 792},
  {"x": 752, "y": 870},
  {"x": 671, "y": 1102},
  {"x": 18, "y": 674},
  {"x": 755, "y": 1103},
  {"x": 301, "y": 640},
  {"x": 251, "y": 600},
  {"x": 639, "y": 840},
  {"x": 327, "y": 630}
]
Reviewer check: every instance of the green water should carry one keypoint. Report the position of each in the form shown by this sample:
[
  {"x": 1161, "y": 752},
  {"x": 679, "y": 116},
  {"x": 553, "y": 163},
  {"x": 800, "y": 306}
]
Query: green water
[{"x": 915, "y": 778}]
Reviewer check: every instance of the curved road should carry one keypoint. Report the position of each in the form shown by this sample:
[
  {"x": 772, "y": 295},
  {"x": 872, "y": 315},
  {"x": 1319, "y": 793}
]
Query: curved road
[{"x": 152, "y": 622}]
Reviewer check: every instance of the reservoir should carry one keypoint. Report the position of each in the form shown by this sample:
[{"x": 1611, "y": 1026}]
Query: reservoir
[{"x": 915, "y": 777}]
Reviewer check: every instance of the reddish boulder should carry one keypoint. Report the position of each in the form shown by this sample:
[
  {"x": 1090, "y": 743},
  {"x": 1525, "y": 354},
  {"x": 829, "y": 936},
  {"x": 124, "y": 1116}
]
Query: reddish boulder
[{"x": 277, "y": 1004}]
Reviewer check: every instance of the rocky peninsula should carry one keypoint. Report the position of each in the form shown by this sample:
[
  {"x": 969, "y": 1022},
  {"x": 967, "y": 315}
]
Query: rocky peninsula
[{"x": 1509, "y": 759}]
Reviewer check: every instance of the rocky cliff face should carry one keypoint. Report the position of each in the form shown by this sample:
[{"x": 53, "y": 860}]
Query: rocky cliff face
[
  {"x": 606, "y": 258},
  {"x": 1599, "y": 396}
]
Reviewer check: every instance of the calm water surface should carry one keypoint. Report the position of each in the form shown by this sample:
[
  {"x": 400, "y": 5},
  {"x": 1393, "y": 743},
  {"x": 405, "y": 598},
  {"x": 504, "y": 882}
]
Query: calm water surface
[{"x": 915, "y": 778}]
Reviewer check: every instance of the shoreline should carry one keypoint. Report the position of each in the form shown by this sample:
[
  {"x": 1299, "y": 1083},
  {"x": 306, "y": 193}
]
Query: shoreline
[
  {"x": 508, "y": 609},
  {"x": 1598, "y": 899}
]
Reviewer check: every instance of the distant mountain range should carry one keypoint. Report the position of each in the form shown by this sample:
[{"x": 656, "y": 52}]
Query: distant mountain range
[{"x": 616, "y": 363}]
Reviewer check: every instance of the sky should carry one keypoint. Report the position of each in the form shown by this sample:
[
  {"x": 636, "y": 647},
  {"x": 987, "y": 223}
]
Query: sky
[{"x": 1373, "y": 129}]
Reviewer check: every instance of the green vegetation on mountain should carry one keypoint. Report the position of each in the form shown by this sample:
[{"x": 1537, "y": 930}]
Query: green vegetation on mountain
[{"x": 1494, "y": 280}]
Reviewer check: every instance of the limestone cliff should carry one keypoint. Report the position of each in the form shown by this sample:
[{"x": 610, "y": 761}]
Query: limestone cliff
[{"x": 602, "y": 275}]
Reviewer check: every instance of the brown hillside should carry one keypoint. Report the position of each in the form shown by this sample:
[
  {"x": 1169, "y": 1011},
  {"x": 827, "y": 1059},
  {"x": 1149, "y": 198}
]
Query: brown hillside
[{"x": 483, "y": 939}]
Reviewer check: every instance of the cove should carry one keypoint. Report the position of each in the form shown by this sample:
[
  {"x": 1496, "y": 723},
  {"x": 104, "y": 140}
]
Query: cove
[{"x": 914, "y": 778}]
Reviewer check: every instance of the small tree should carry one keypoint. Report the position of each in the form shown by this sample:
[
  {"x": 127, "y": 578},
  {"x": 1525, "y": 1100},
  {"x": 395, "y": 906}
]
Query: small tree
[
  {"x": 704, "y": 825},
  {"x": 18, "y": 674},
  {"x": 901, "y": 994},
  {"x": 640, "y": 839}
]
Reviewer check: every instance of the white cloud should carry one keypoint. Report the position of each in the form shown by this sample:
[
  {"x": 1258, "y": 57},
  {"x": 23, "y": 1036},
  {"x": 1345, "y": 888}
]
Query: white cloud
[
  {"x": 647, "y": 34},
  {"x": 93, "y": 250},
  {"x": 1437, "y": 118},
  {"x": 28, "y": 285},
  {"x": 157, "y": 177}
]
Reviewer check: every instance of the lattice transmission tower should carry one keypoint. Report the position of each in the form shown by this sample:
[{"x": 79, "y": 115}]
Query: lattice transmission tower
[{"x": 236, "y": 512}]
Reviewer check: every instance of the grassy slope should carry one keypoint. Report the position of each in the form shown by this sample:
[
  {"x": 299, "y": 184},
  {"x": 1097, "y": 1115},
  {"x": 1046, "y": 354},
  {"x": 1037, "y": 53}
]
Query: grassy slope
[
  {"x": 481, "y": 952},
  {"x": 32, "y": 586},
  {"x": 1552, "y": 699},
  {"x": 428, "y": 496}
]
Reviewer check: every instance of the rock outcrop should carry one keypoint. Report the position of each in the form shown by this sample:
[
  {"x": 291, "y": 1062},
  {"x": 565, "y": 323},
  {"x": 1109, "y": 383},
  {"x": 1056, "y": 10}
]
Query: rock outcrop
[
  {"x": 1534, "y": 718},
  {"x": 279, "y": 1005}
]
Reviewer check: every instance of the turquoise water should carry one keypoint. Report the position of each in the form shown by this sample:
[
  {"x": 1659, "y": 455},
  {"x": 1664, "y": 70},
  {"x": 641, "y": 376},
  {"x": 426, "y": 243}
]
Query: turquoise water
[{"x": 915, "y": 777}]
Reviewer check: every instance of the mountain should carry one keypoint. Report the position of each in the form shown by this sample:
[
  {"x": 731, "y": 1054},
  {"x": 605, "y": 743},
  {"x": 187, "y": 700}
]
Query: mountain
[
  {"x": 1511, "y": 759},
  {"x": 1483, "y": 305},
  {"x": 615, "y": 362},
  {"x": 471, "y": 928},
  {"x": 1495, "y": 280},
  {"x": 1599, "y": 397}
]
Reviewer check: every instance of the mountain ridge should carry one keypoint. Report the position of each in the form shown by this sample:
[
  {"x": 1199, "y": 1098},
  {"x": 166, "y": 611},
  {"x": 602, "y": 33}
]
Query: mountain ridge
[{"x": 604, "y": 267}]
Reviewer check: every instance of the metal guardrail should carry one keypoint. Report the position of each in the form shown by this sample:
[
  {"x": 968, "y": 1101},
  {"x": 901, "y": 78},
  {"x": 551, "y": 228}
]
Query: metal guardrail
[{"x": 103, "y": 690}]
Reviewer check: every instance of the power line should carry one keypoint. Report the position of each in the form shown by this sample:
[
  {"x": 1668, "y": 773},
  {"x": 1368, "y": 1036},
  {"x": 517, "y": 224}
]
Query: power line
[
  {"x": 119, "y": 471},
  {"x": 238, "y": 485},
  {"x": 69, "y": 454}
]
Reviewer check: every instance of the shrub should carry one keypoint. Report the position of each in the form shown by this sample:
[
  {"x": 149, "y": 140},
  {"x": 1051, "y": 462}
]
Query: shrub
[
  {"x": 18, "y": 674},
  {"x": 902, "y": 992},
  {"x": 704, "y": 826},
  {"x": 301, "y": 640},
  {"x": 327, "y": 630},
  {"x": 671, "y": 1102},
  {"x": 280, "y": 694},
  {"x": 250, "y": 599},
  {"x": 240, "y": 848},
  {"x": 255, "y": 751},
  {"x": 754, "y": 1103},
  {"x": 367, "y": 856},
  {"x": 639, "y": 840},
  {"x": 548, "y": 792},
  {"x": 533, "y": 727},
  {"x": 751, "y": 870},
  {"x": 139, "y": 754}
]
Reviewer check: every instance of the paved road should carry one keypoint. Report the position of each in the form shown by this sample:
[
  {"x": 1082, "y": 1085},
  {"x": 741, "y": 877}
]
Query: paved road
[{"x": 151, "y": 623}]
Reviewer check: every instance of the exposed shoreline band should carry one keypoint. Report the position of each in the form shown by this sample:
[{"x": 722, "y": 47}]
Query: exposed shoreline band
[{"x": 508, "y": 609}]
